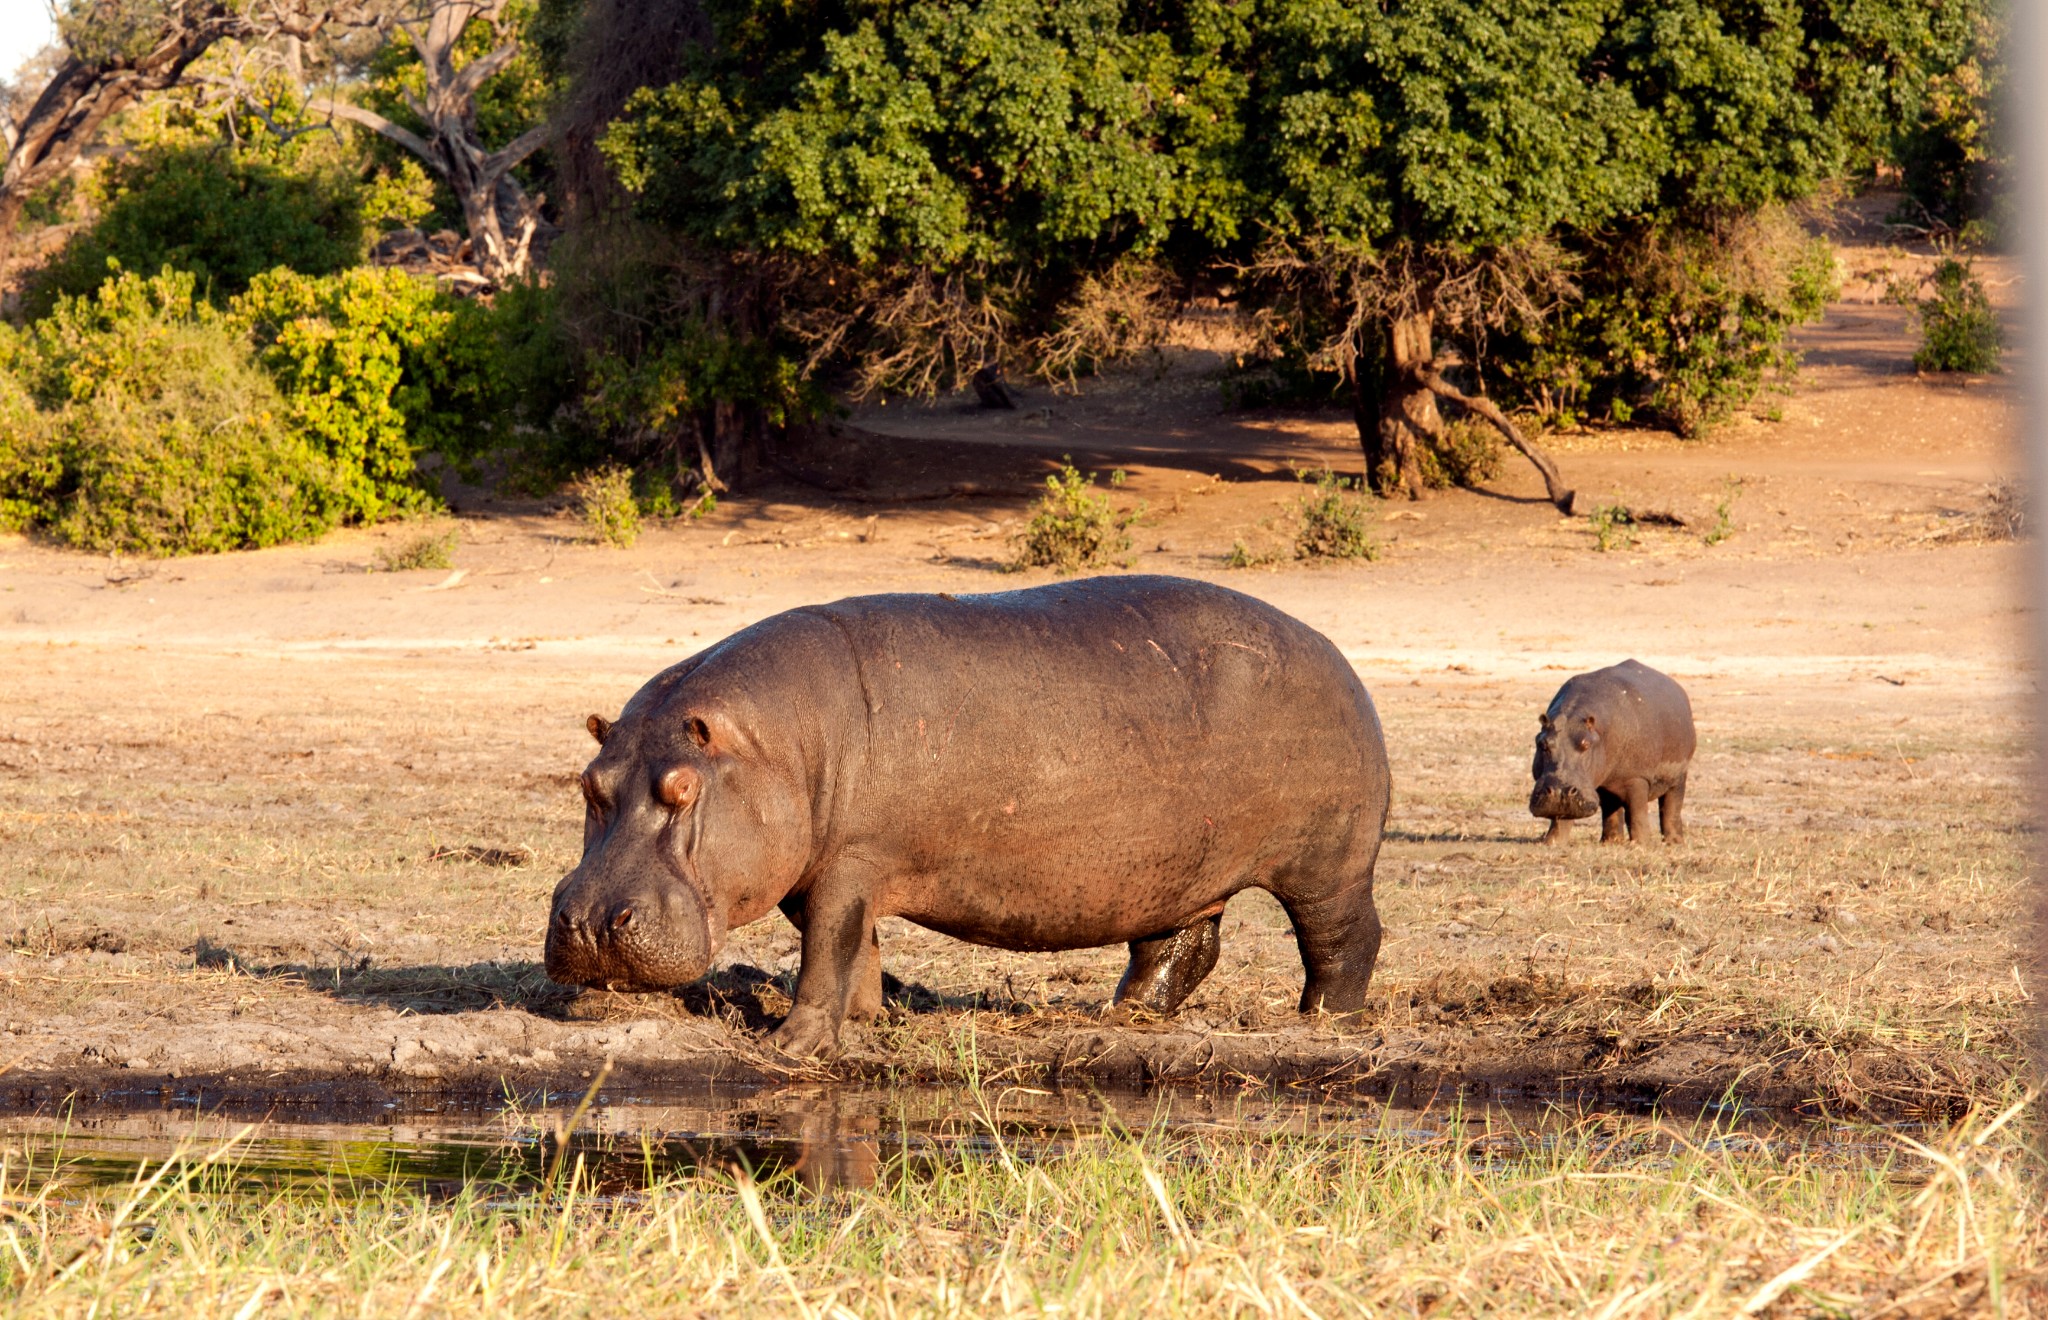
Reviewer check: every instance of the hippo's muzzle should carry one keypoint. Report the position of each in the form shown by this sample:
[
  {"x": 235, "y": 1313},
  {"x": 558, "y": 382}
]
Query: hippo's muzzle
[
  {"x": 1554, "y": 799},
  {"x": 626, "y": 938}
]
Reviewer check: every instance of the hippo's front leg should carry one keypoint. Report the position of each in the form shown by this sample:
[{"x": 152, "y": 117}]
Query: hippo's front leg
[
  {"x": 1613, "y": 816},
  {"x": 867, "y": 1001},
  {"x": 838, "y": 927},
  {"x": 1638, "y": 807},
  {"x": 1165, "y": 969}
]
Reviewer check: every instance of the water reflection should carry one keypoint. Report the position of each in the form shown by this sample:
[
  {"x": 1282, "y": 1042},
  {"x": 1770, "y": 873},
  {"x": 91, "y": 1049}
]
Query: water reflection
[{"x": 819, "y": 1136}]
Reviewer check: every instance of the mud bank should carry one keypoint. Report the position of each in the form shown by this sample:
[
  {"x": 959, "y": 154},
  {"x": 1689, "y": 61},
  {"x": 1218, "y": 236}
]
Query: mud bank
[{"x": 360, "y": 1057}]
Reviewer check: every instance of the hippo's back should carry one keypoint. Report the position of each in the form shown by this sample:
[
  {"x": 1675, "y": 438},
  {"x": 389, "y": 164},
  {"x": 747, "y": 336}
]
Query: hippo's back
[
  {"x": 1643, "y": 702},
  {"x": 1176, "y": 661}
]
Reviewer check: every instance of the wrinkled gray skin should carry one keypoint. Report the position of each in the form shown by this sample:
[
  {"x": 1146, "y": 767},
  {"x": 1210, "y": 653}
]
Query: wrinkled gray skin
[
  {"x": 1612, "y": 741},
  {"x": 1093, "y": 762}
]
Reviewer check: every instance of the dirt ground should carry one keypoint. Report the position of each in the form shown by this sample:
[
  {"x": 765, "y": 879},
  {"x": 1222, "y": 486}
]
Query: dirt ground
[{"x": 277, "y": 828}]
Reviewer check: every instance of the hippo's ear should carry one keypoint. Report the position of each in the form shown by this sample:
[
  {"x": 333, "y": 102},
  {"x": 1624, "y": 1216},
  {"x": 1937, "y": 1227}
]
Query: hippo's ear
[
  {"x": 1548, "y": 723},
  {"x": 600, "y": 728}
]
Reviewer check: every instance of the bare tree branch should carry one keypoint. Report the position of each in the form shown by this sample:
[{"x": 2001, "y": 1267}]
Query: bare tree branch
[
  {"x": 1553, "y": 484},
  {"x": 93, "y": 85},
  {"x": 373, "y": 121}
]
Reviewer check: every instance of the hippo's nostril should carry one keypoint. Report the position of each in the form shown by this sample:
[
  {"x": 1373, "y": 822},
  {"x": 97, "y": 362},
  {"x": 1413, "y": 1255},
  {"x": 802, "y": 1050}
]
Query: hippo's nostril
[{"x": 622, "y": 916}]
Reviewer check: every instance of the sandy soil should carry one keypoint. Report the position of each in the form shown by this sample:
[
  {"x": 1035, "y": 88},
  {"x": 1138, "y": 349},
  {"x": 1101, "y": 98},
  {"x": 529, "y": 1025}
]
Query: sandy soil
[{"x": 236, "y": 793}]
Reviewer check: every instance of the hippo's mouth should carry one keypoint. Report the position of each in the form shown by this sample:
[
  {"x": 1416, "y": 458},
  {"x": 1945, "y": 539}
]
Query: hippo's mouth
[
  {"x": 634, "y": 965},
  {"x": 1555, "y": 801}
]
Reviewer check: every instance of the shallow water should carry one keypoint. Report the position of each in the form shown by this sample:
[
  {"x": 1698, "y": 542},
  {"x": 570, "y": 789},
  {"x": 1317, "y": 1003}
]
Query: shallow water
[{"x": 821, "y": 1136}]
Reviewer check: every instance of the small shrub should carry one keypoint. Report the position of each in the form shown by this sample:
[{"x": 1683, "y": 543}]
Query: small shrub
[
  {"x": 604, "y": 501},
  {"x": 427, "y": 550},
  {"x": 1243, "y": 556},
  {"x": 1468, "y": 454},
  {"x": 1959, "y": 331},
  {"x": 1334, "y": 520},
  {"x": 1611, "y": 524},
  {"x": 2005, "y": 511},
  {"x": 1073, "y": 527},
  {"x": 1724, "y": 513}
]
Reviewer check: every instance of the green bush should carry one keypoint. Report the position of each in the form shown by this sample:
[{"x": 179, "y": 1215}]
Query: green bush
[
  {"x": 1685, "y": 323},
  {"x": 149, "y": 429},
  {"x": 206, "y": 210},
  {"x": 1074, "y": 527},
  {"x": 1468, "y": 454},
  {"x": 1335, "y": 520},
  {"x": 604, "y": 501},
  {"x": 29, "y": 468},
  {"x": 301, "y": 405},
  {"x": 1959, "y": 331},
  {"x": 1610, "y": 525},
  {"x": 426, "y": 550},
  {"x": 375, "y": 366}
]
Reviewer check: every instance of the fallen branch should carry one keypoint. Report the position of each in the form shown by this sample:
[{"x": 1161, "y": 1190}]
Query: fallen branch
[{"x": 1553, "y": 484}]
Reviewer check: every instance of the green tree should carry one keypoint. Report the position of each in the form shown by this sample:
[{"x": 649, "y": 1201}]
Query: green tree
[
  {"x": 118, "y": 51},
  {"x": 893, "y": 196},
  {"x": 210, "y": 210}
]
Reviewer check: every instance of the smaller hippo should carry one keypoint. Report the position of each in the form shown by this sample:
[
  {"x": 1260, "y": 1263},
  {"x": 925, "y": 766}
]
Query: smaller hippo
[{"x": 1612, "y": 740}]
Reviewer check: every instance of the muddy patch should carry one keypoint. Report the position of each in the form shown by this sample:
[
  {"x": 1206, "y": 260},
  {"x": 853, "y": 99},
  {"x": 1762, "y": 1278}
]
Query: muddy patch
[{"x": 471, "y": 1034}]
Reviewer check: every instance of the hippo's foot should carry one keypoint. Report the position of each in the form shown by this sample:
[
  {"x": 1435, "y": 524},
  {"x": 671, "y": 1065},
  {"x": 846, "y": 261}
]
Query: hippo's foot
[
  {"x": 807, "y": 1033},
  {"x": 1559, "y": 833},
  {"x": 1165, "y": 969}
]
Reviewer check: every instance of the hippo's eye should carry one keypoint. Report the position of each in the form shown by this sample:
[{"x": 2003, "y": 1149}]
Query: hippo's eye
[
  {"x": 593, "y": 797},
  {"x": 677, "y": 789}
]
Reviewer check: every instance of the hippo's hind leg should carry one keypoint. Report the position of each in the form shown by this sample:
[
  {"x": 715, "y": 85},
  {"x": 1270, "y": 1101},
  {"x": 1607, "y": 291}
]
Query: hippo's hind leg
[
  {"x": 1613, "y": 816},
  {"x": 1338, "y": 933},
  {"x": 1165, "y": 969},
  {"x": 1669, "y": 808}
]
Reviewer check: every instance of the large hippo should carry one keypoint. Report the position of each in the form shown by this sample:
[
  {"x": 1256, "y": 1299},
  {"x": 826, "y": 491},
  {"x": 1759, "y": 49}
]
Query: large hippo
[
  {"x": 1611, "y": 741},
  {"x": 1087, "y": 763}
]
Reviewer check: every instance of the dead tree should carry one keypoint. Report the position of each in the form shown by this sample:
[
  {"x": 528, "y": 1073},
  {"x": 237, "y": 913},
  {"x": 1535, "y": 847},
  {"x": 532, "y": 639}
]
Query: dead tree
[
  {"x": 501, "y": 217},
  {"x": 119, "y": 50}
]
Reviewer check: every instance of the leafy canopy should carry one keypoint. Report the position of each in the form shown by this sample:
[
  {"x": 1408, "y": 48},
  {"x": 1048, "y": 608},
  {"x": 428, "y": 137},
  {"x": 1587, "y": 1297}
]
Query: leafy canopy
[{"x": 944, "y": 134}]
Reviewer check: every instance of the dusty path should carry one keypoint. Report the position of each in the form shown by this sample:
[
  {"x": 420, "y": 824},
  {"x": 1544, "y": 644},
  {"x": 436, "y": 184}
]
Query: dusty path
[{"x": 229, "y": 788}]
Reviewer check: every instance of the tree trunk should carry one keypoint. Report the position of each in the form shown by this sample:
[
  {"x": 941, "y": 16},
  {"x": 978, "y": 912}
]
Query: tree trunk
[
  {"x": 78, "y": 99},
  {"x": 492, "y": 200},
  {"x": 1407, "y": 412}
]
